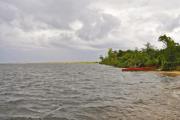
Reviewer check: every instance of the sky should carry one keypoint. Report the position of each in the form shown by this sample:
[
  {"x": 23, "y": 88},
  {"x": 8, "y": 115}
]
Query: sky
[{"x": 82, "y": 30}]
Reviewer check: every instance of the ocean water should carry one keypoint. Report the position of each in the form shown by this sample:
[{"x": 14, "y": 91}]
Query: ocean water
[{"x": 85, "y": 92}]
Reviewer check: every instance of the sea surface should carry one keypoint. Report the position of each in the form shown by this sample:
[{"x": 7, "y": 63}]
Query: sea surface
[{"x": 86, "y": 92}]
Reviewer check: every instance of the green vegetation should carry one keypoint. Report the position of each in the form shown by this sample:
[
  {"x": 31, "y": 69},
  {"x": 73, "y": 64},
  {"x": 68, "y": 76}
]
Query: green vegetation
[{"x": 167, "y": 58}]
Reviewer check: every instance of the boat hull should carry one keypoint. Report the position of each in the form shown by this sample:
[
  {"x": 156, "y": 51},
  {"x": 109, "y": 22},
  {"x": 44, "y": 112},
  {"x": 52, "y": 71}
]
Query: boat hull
[{"x": 138, "y": 69}]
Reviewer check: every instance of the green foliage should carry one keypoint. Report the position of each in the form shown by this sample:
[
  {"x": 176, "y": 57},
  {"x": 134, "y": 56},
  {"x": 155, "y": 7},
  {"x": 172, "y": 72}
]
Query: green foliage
[
  {"x": 167, "y": 58},
  {"x": 169, "y": 66},
  {"x": 178, "y": 68}
]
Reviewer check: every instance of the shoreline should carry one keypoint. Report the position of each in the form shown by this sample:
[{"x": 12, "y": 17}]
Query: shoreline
[
  {"x": 172, "y": 73},
  {"x": 168, "y": 73}
]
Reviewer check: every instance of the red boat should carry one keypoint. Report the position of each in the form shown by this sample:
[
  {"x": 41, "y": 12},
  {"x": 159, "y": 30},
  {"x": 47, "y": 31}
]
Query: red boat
[{"x": 138, "y": 69}]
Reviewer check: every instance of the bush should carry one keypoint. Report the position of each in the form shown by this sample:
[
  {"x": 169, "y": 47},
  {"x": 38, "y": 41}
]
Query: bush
[
  {"x": 178, "y": 68},
  {"x": 170, "y": 66}
]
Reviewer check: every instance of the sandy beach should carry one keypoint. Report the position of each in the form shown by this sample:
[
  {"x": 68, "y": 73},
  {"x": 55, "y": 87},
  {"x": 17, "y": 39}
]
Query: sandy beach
[{"x": 169, "y": 73}]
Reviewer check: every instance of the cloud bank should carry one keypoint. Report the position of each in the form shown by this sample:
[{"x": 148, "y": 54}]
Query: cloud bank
[{"x": 68, "y": 30}]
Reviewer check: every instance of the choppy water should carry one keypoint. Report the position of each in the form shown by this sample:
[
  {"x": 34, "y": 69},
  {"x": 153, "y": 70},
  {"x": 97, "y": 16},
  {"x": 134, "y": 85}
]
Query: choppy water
[{"x": 86, "y": 92}]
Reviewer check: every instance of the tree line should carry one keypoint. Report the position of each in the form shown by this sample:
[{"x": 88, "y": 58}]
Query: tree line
[{"x": 167, "y": 58}]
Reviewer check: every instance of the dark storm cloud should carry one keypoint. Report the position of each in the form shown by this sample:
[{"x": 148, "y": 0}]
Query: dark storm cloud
[{"x": 54, "y": 13}]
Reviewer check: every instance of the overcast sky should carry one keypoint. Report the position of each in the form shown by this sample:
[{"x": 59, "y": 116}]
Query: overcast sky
[{"x": 82, "y": 30}]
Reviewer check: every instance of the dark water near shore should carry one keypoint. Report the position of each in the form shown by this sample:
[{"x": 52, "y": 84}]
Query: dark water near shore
[{"x": 86, "y": 92}]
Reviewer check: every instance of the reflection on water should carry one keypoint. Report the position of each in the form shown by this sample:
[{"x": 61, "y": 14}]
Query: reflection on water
[{"x": 86, "y": 92}]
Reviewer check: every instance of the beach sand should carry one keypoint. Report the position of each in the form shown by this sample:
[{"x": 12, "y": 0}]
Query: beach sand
[{"x": 169, "y": 73}]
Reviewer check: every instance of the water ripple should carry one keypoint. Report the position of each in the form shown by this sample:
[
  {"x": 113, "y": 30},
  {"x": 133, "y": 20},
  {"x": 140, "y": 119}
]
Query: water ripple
[{"x": 85, "y": 92}]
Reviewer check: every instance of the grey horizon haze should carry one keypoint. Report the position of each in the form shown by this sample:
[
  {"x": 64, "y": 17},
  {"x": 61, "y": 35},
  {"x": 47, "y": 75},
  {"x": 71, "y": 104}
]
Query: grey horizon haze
[{"x": 82, "y": 30}]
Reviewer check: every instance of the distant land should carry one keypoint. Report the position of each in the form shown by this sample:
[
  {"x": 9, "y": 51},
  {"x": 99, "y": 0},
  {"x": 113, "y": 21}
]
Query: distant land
[
  {"x": 166, "y": 59},
  {"x": 53, "y": 62}
]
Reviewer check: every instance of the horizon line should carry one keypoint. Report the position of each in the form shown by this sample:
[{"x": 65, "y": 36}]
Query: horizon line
[{"x": 49, "y": 62}]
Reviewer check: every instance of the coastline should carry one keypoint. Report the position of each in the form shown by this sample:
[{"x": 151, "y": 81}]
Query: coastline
[
  {"x": 173, "y": 73},
  {"x": 168, "y": 73}
]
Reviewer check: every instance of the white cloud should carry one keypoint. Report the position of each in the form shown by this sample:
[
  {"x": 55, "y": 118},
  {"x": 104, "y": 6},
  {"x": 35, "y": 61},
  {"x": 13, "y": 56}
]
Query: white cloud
[{"x": 76, "y": 25}]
